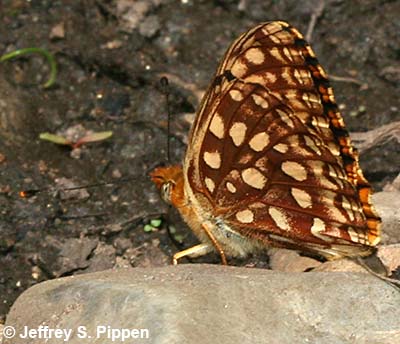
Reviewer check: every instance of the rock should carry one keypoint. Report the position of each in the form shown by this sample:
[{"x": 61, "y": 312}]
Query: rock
[
  {"x": 393, "y": 186},
  {"x": 149, "y": 27},
  {"x": 213, "y": 304},
  {"x": 131, "y": 13},
  {"x": 390, "y": 256},
  {"x": 72, "y": 255},
  {"x": 57, "y": 31},
  {"x": 70, "y": 190},
  {"x": 103, "y": 258},
  {"x": 122, "y": 244},
  {"x": 386, "y": 205},
  {"x": 290, "y": 261},
  {"x": 343, "y": 265}
]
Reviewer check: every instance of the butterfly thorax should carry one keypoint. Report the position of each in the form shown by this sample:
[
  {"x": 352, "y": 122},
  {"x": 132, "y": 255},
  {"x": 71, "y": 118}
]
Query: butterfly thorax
[
  {"x": 195, "y": 211},
  {"x": 170, "y": 181}
]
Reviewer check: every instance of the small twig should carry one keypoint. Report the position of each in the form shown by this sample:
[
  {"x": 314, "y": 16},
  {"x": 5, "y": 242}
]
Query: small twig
[
  {"x": 314, "y": 17},
  {"x": 364, "y": 141}
]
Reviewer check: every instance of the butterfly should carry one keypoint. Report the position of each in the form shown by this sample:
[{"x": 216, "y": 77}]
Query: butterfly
[{"x": 269, "y": 161}]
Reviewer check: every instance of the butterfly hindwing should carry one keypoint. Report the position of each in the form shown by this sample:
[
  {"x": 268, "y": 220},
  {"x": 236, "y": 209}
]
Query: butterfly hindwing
[{"x": 270, "y": 152}]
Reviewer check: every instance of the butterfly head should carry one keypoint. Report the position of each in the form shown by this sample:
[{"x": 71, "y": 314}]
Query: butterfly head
[{"x": 169, "y": 180}]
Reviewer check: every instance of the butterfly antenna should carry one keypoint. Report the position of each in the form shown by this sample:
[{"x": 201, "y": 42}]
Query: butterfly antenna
[
  {"x": 165, "y": 90},
  {"x": 32, "y": 192}
]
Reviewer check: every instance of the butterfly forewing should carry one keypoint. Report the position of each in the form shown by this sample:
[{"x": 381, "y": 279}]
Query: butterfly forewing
[{"x": 269, "y": 150}]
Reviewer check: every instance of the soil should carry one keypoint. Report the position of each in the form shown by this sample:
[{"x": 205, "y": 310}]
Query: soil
[{"x": 111, "y": 56}]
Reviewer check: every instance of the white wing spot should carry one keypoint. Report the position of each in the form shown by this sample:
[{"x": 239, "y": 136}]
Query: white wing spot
[
  {"x": 311, "y": 99},
  {"x": 302, "y": 198},
  {"x": 287, "y": 76},
  {"x": 282, "y": 37},
  {"x": 271, "y": 28},
  {"x": 260, "y": 101},
  {"x": 353, "y": 234},
  {"x": 285, "y": 118},
  {"x": 322, "y": 72},
  {"x": 281, "y": 148},
  {"x": 326, "y": 183},
  {"x": 275, "y": 52},
  {"x": 310, "y": 51},
  {"x": 312, "y": 145},
  {"x": 254, "y": 178},
  {"x": 245, "y": 158},
  {"x": 332, "y": 172},
  {"x": 287, "y": 53},
  {"x": 245, "y": 216},
  {"x": 212, "y": 159},
  {"x": 279, "y": 217},
  {"x": 217, "y": 126},
  {"x": 257, "y": 205},
  {"x": 297, "y": 76},
  {"x": 347, "y": 206},
  {"x": 236, "y": 95},
  {"x": 320, "y": 121},
  {"x": 331, "y": 95},
  {"x": 336, "y": 214},
  {"x": 210, "y": 184},
  {"x": 255, "y": 56},
  {"x": 238, "y": 132},
  {"x": 270, "y": 77},
  {"x": 333, "y": 148},
  {"x": 317, "y": 227},
  {"x": 262, "y": 164},
  {"x": 259, "y": 142},
  {"x": 234, "y": 174},
  {"x": 231, "y": 187},
  {"x": 239, "y": 69},
  {"x": 266, "y": 77},
  {"x": 294, "y": 170}
]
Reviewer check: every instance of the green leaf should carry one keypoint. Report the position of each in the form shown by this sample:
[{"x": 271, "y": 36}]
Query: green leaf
[
  {"x": 148, "y": 228},
  {"x": 54, "y": 138},
  {"x": 172, "y": 229},
  {"x": 156, "y": 223},
  {"x": 179, "y": 238},
  {"x": 100, "y": 136}
]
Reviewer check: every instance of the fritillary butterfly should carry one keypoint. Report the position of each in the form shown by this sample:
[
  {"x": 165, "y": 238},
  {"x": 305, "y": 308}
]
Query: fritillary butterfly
[{"x": 269, "y": 160}]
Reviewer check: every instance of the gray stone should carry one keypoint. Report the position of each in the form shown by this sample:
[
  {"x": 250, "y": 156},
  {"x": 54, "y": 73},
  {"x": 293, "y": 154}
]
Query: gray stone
[
  {"x": 290, "y": 261},
  {"x": 388, "y": 206},
  {"x": 73, "y": 254},
  {"x": 390, "y": 256},
  {"x": 149, "y": 27},
  {"x": 198, "y": 303}
]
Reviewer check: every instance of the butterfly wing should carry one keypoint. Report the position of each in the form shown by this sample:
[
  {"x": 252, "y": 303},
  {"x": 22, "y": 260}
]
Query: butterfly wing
[{"x": 270, "y": 152}]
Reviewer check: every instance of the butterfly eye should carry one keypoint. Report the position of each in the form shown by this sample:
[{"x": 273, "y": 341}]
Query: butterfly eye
[{"x": 166, "y": 192}]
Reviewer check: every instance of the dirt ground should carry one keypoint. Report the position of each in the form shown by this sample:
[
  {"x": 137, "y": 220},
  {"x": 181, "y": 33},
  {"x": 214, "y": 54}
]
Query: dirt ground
[{"x": 111, "y": 55}]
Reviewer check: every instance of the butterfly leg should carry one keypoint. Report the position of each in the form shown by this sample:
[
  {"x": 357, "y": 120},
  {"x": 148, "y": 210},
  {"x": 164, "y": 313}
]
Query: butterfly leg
[
  {"x": 193, "y": 252},
  {"x": 215, "y": 243}
]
